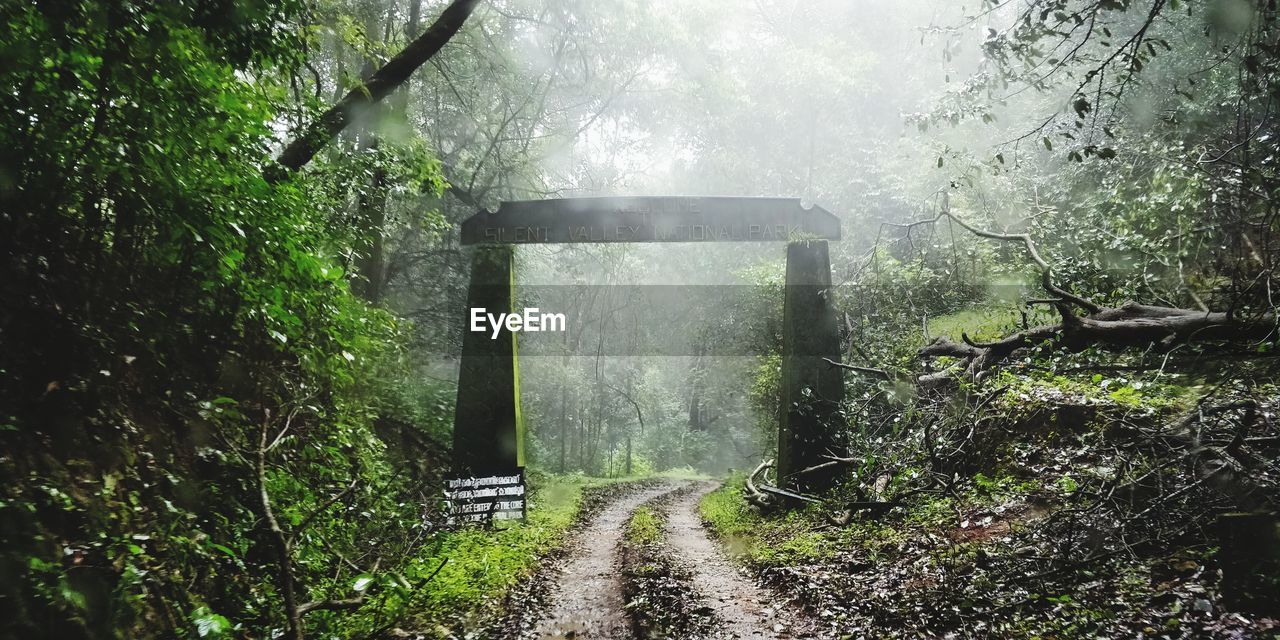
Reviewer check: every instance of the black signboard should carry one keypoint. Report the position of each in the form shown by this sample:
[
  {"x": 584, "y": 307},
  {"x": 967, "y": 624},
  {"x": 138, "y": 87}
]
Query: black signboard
[{"x": 485, "y": 499}]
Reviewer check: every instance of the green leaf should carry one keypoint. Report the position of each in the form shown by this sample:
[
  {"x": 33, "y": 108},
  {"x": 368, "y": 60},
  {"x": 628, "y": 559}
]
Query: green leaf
[
  {"x": 71, "y": 595},
  {"x": 362, "y": 582},
  {"x": 209, "y": 624},
  {"x": 223, "y": 549}
]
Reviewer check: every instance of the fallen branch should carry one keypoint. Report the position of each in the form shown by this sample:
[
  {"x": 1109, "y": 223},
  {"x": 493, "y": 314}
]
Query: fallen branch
[
  {"x": 754, "y": 495},
  {"x": 880, "y": 373},
  {"x": 832, "y": 461},
  {"x": 751, "y": 487},
  {"x": 1129, "y": 325},
  {"x": 791, "y": 495}
]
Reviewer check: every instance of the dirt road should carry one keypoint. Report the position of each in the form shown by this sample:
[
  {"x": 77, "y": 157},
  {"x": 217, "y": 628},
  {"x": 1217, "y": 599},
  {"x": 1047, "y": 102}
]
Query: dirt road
[
  {"x": 586, "y": 594},
  {"x": 743, "y": 608}
]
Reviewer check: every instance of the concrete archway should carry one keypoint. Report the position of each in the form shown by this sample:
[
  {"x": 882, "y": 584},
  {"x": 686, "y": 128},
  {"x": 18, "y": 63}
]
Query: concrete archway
[{"x": 488, "y": 434}]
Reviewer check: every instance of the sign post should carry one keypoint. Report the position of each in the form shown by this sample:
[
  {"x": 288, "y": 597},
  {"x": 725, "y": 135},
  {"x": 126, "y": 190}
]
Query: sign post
[
  {"x": 486, "y": 499},
  {"x": 650, "y": 219}
]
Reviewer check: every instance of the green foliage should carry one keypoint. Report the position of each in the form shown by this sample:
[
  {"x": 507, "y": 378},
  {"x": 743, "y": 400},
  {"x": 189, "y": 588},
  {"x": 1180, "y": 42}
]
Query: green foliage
[
  {"x": 995, "y": 490},
  {"x": 1164, "y": 394},
  {"x": 762, "y": 540},
  {"x": 167, "y": 306},
  {"x": 766, "y": 396}
]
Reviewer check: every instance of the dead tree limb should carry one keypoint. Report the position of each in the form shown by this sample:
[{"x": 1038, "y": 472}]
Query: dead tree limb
[
  {"x": 871, "y": 371},
  {"x": 1046, "y": 270},
  {"x": 1129, "y": 325},
  {"x": 754, "y": 495},
  {"x": 751, "y": 486},
  {"x": 832, "y": 461}
]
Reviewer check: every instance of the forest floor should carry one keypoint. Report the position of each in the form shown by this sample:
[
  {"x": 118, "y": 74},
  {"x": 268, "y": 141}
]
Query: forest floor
[{"x": 600, "y": 586}]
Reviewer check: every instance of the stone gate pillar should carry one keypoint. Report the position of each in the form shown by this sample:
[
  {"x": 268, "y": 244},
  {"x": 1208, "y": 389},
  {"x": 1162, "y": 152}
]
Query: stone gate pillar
[
  {"x": 488, "y": 432},
  {"x": 809, "y": 425}
]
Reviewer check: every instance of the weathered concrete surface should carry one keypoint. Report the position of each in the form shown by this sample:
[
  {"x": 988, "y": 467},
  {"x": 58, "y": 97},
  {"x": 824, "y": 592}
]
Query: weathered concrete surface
[
  {"x": 487, "y": 430},
  {"x": 650, "y": 219}
]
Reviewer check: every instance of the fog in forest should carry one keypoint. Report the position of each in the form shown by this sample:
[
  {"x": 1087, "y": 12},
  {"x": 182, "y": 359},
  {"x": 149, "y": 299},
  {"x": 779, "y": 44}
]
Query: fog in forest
[{"x": 846, "y": 105}]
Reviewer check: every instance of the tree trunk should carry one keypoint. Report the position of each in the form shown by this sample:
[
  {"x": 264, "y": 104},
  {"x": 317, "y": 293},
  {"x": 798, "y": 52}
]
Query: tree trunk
[
  {"x": 628, "y": 468},
  {"x": 564, "y": 426}
]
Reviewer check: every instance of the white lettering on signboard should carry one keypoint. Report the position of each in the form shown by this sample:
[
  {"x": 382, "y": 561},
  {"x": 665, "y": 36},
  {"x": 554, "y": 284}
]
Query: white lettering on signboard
[{"x": 485, "y": 499}]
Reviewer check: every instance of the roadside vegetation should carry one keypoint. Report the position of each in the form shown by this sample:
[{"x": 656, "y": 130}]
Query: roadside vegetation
[
  {"x": 1053, "y": 509},
  {"x": 477, "y": 570}
]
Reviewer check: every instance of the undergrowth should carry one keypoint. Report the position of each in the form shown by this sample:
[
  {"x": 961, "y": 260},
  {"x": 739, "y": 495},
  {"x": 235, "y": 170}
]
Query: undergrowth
[{"x": 1035, "y": 515}]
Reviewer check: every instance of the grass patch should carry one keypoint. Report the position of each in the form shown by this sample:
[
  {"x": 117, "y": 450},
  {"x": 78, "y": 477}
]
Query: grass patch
[
  {"x": 481, "y": 566},
  {"x": 645, "y": 527},
  {"x": 985, "y": 323},
  {"x": 764, "y": 540}
]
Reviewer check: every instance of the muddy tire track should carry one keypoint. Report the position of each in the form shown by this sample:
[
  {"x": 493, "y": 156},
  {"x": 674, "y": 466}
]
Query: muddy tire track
[{"x": 744, "y": 609}]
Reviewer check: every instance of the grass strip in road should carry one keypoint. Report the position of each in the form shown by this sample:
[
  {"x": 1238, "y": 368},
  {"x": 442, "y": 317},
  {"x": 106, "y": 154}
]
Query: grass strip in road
[{"x": 658, "y": 590}]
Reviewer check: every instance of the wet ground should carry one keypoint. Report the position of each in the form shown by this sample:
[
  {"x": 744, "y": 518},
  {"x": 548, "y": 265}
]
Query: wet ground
[
  {"x": 584, "y": 590},
  {"x": 743, "y": 609}
]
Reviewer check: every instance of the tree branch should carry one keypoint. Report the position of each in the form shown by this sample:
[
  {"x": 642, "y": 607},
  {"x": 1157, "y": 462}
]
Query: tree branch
[
  {"x": 327, "y": 503},
  {"x": 1046, "y": 271},
  {"x": 880, "y": 373},
  {"x": 281, "y": 542},
  {"x": 378, "y": 86},
  {"x": 1129, "y": 325}
]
